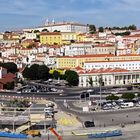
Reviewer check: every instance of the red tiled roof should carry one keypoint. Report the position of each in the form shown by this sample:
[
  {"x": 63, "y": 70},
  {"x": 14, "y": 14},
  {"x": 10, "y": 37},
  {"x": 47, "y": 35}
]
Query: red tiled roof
[
  {"x": 78, "y": 68},
  {"x": 105, "y": 45},
  {"x": 110, "y": 61},
  {"x": 88, "y": 55},
  {"x": 102, "y": 70},
  {"x": 9, "y": 77},
  {"x": 131, "y": 36}
]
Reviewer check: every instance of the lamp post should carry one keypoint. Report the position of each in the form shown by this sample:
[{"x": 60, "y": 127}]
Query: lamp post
[
  {"x": 100, "y": 95},
  {"x": 101, "y": 83}
]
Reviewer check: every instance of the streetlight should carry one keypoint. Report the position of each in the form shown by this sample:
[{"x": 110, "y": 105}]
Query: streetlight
[{"x": 101, "y": 83}]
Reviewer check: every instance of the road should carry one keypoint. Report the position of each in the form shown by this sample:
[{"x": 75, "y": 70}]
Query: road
[{"x": 101, "y": 119}]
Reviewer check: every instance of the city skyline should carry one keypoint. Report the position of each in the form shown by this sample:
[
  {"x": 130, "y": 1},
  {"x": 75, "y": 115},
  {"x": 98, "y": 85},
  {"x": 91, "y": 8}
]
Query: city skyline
[{"x": 17, "y": 14}]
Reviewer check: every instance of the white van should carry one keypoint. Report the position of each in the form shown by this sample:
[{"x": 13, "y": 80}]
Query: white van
[{"x": 127, "y": 105}]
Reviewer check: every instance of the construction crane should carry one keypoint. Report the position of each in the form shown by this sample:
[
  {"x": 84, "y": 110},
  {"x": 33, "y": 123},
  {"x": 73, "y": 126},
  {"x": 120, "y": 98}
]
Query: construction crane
[{"x": 55, "y": 133}]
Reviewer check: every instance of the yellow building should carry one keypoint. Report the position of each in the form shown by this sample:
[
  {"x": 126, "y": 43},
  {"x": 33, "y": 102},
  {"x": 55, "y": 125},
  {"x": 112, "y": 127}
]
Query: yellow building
[
  {"x": 75, "y": 61},
  {"x": 51, "y": 38},
  {"x": 80, "y": 37},
  {"x": 67, "y": 37}
]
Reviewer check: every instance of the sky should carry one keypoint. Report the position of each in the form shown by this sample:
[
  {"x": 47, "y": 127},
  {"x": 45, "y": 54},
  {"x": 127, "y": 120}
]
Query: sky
[{"x": 17, "y": 14}]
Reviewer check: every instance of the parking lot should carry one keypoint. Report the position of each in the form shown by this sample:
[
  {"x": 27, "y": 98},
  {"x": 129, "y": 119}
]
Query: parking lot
[{"x": 38, "y": 89}]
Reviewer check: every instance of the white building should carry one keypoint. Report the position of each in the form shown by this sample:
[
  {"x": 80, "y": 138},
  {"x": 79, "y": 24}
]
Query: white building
[
  {"x": 110, "y": 77},
  {"x": 3, "y": 72},
  {"x": 30, "y": 35},
  {"x": 78, "y": 49},
  {"x": 103, "y": 35},
  {"x": 62, "y": 27},
  {"x": 129, "y": 65}
]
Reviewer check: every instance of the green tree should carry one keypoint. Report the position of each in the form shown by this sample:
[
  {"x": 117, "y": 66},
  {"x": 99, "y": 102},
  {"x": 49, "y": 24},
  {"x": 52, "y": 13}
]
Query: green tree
[
  {"x": 72, "y": 41},
  {"x": 43, "y": 72},
  {"x": 9, "y": 85},
  {"x": 138, "y": 95},
  {"x": 112, "y": 97},
  {"x": 92, "y": 29},
  {"x": 72, "y": 77},
  {"x": 56, "y": 74},
  {"x": 36, "y": 31},
  {"x": 132, "y": 27},
  {"x": 101, "y": 29},
  {"x": 10, "y": 66},
  {"x": 34, "y": 72},
  {"x": 45, "y": 30},
  {"x": 56, "y": 31},
  {"x": 128, "y": 96},
  {"x": 26, "y": 72}
]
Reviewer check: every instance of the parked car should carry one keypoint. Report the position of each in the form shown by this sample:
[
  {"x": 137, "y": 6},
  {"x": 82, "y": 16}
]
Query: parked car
[
  {"x": 127, "y": 104},
  {"x": 89, "y": 124}
]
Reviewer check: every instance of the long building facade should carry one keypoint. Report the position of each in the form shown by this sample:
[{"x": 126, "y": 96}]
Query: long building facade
[{"x": 111, "y": 77}]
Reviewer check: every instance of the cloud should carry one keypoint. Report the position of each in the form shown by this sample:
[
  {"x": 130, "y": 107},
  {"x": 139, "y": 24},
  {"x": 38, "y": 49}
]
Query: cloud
[{"x": 99, "y": 12}]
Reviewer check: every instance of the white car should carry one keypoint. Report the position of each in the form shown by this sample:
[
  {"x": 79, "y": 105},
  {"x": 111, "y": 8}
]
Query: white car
[
  {"x": 114, "y": 92},
  {"x": 127, "y": 105},
  {"x": 18, "y": 92}
]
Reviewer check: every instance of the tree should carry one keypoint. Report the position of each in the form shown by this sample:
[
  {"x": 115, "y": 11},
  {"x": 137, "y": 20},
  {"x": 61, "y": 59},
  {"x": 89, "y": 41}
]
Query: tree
[
  {"x": 123, "y": 34},
  {"x": 10, "y": 66},
  {"x": 72, "y": 77},
  {"x": 7, "y": 32},
  {"x": 112, "y": 97},
  {"x": 34, "y": 72},
  {"x": 132, "y": 27},
  {"x": 138, "y": 95},
  {"x": 72, "y": 41},
  {"x": 92, "y": 29},
  {"x": 26, "y": 72},
  {"x": 128, "y": 96},
  {"x": 56, "y": 74},
  {"x": 101, "y": 29},
  {"x": 45, "y": 30},
  {"x": 90, "y": 81},
  {"x": 36, "y": 31},
  {"x": 56, "y": 31},
  {"x": 9, "y": 85},
  {"x": 30, "y": 46},
  {"x": 43, "y": 72}
]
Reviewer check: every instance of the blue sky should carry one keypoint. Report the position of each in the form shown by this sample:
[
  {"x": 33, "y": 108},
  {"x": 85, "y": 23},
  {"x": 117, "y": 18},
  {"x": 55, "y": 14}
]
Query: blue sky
[{"x": 16, "y": 14}]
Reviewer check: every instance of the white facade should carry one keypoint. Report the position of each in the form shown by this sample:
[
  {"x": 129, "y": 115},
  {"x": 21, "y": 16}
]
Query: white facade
[
  {"x": 3, "y": 72},
  {"x": 104, "y": 34},
  {"x": 78, "y": 49},
  {"x": 62, "y": 27},
  {"x": 1, "y": 36},
  {"x": 50, "y": 60},
  {"x": 129, "y": 65},
  {"x": 30, "y": 35},
  {"x": 111, "y": 77}
]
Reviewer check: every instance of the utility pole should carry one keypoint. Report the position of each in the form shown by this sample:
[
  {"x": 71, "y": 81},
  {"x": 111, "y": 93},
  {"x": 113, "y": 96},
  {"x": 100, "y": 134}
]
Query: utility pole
[
  {"x": 101, "y": 83},
  {"x": 100, "y": 96}
]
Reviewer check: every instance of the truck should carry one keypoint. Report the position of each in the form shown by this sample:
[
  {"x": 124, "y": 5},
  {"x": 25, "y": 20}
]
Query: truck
[{"x": 33, "y": 133}]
